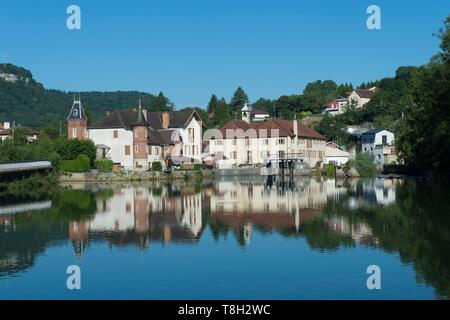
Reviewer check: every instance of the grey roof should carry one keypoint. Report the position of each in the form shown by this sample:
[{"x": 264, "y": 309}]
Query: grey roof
[
  {"x": 177, "y": 119},
  {"x": 117, "y": 119},
  {"x": 162, "y": 137},
  {"x": 128, "y": 118},
  {"x": 77, "y": 112},
  {"x": 372, "y": 131}
]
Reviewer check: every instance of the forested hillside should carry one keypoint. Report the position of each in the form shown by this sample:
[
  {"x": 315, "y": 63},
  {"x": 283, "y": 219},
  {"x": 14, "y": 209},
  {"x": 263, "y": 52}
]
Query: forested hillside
[{"x": 28, "y": 103}]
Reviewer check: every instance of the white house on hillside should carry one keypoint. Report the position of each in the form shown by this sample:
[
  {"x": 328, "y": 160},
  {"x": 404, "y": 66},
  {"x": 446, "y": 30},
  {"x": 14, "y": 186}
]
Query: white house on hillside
[
  {"x": 360, "y": 97},
  {"x": 380, "y": 144}
]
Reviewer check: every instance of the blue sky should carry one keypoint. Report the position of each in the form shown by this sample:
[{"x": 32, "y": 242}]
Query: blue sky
[{"x": 190, "y": 49}]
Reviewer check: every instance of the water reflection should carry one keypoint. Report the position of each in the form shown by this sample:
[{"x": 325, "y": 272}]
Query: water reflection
[{"x": 403, "y": 216}]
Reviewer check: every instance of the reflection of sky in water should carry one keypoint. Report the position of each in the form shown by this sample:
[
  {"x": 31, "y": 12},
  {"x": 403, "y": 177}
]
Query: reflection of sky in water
[{"x": 256, "y": 239}]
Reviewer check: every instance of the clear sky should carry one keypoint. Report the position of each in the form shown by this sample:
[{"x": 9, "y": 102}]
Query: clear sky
[{"x": 190, "y": 49}]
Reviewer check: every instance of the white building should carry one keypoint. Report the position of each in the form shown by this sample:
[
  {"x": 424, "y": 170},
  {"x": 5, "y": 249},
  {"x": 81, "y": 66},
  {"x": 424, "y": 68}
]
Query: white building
[
  {"x": 243, "y": 142},
  {"x": 360, "y": 97},
  {"x": 335, "y": 154},
  {"x": 259, "y": 115},
  {"x": 134, "y": 138},
  {"x": 335, "y": 107},
  {"x": 380, "y": 144}
]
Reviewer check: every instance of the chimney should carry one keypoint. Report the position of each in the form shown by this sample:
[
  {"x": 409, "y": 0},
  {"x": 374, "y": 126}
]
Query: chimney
[
  {"x": 6, "y": 125},
  {"x": 144, "y": 111},
  {"x": 107, "y": 113},
  {"x": 165, "y": 119},
  {"x": 295, "y": 127}
]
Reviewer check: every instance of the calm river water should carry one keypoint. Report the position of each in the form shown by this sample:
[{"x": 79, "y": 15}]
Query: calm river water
[{"x": 231, "y": 239}]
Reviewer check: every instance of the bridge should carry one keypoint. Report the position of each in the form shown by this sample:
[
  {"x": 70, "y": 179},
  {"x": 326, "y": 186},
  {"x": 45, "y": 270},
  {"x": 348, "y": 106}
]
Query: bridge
[
  {"x": 11, "y": 170},
  {"x": 18, "y": 208}
]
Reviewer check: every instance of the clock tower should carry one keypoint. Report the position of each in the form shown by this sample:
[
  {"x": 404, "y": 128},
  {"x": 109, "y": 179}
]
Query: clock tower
[{"x": 77, "y": 121}]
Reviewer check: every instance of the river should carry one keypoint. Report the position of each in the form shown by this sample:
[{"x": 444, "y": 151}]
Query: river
[{"x": 251, "y": 238}]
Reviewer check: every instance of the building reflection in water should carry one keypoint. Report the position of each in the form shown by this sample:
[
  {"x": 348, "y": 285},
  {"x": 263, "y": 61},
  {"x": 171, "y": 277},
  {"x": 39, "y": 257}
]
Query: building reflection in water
[
  {"x": 272, "y": 204},
  {"x": 140, "y": 215}
]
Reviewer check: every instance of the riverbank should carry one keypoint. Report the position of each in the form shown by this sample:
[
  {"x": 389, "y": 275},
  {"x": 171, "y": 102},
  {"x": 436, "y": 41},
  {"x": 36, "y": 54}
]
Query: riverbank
[{"x": 94, "y": 176}]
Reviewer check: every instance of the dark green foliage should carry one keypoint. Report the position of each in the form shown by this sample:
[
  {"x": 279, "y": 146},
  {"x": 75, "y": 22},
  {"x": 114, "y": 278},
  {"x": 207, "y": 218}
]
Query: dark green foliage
[
  {"x": 104, "y": 165},
  {"x": 198, "y": 166},
  {"x": 80, "y": 164},
  {"x": 70, "y": 149},
  {"x": 28, "y": 103},
  {"x": 212, "y": 104},
  {"x": 222, "y": 113},
  {"x": 238, "y": 100},
  {"x": 364, "y": 164},
  {"x": 157, "y": 166}
]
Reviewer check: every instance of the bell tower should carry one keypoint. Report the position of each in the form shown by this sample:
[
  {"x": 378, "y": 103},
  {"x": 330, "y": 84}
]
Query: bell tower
[
  {"x": 245, "y": 112},
  {"x": 140, "y": 141},
  {"x": 77, "y": 121}
]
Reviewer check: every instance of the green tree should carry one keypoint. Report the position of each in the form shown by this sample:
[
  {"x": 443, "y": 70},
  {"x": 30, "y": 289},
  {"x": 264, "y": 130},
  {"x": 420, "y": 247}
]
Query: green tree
[
  {"x": 222, "y": 113},
  {"x": 212, "y": 103},
  {"x": 238, "y": 100}
]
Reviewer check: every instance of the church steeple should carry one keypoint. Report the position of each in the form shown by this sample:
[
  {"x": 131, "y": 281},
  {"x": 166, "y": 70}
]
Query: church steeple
[
  {"x": 77, "y": 121},
  {"x": 77, "y": 111},
  {"x": 140, "y": 118},
  {"x": 245, "y": 112}
]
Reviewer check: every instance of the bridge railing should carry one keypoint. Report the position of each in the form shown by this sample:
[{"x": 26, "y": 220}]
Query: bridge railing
[{"x": 25, "y": 166}]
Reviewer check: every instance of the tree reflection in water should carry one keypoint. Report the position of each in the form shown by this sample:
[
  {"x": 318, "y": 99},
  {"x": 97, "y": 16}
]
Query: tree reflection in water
[{"x": 408, "y": 217}]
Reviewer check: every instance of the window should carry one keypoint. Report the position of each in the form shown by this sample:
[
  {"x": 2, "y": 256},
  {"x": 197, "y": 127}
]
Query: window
[
  {"x": 266, "y": 142},
  {"x": 247, "y": 141},
  {"x": 249, "y": 156},
  {"x": 219, "y": 142},
  {"x": 281, "y": 141},
  {"x": 191, "y": 135},
  {"x": 384, "y": 138},
  {"x": 115, "y": 134},
  {"x": 127, "y": 150},
  {"x": 74, "y": 132},
  {"x": 234, "y": 141},
  {"x": 136, "y": 149},
  {"x": 156, "y": 150},
  {"x": 136, "y": 133},
  {"x": 86, "y": 134}
]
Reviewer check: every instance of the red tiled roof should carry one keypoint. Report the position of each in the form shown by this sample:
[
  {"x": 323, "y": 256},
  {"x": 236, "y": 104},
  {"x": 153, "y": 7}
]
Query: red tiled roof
[
  {"x": 365, "y": 93},
  {"x": 265, "y": 129},
  {"x": 259, "y": 112}
]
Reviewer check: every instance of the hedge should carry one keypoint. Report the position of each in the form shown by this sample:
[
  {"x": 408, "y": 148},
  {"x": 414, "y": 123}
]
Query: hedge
[
  {"x": 157, "y": 166},
  {"x": 104, "y": 165},
  {"x": 80, "y": 164}
]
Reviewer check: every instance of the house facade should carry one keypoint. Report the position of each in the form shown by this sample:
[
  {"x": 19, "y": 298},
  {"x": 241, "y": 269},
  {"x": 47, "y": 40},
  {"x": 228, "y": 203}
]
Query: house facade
[
  {"x": 134, "y": 138},
  {"x": 244, "y": 142},
  {"x": 360, "y": 97},
  {"x": 380, "y": 144},
  {"x": 335, "y": 107},
  {"x": 335, "y": 154}
]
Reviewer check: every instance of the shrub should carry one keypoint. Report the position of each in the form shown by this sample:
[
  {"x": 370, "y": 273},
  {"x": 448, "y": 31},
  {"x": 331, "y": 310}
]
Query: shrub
[
  {"x": 81, "y": 164},
  {"x": 104, "y": 165},
  {"x": 157, "y": 166},
  {"x": 329, "y": 170},
  {"x": 198, "y": 166},
  {"x": 364, "y": 164},
  {"x": 70, "y": 149}
]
